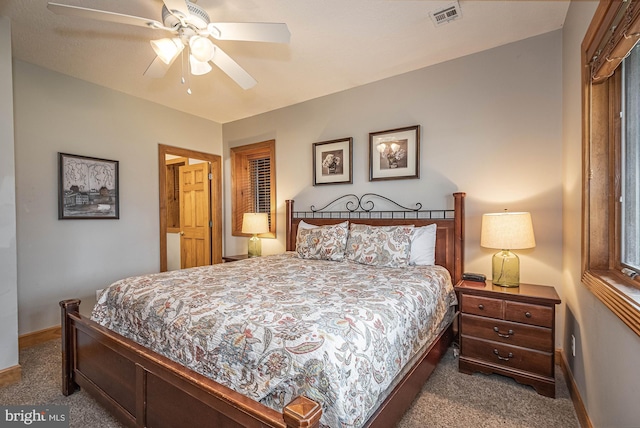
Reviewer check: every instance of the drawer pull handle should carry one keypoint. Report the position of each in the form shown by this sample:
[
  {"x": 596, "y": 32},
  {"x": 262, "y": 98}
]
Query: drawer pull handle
[
  {"x": 505, "y": 335},
  {"x": 500, "y": 357},
  {"x": 527, "y": 314},
  {"x": 481, "y": 307}
]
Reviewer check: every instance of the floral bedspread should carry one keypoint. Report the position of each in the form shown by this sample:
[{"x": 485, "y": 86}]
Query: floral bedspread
[{"x": 276, "y": 327}]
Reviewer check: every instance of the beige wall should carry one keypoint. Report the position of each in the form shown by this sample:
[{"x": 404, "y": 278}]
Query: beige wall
[
  {"x": 60, "y": 259},
  {"x": 606, "y": 363},
  {"x": 8, "y": 251},
  {"x": 491, "y": 126}
]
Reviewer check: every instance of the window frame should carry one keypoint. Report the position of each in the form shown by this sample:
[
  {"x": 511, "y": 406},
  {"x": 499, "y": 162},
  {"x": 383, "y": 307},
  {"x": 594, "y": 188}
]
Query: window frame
[
  {"x": 601, "y": 107},
  {"x": 240, "y": 158}
]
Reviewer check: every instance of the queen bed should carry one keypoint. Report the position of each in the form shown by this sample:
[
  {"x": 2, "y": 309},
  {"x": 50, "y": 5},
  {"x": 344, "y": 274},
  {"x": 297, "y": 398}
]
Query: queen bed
[{"x": 330, "y": 333}]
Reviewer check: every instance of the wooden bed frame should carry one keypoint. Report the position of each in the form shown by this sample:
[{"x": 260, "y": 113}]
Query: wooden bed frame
[{"x": 144, "y": 389}]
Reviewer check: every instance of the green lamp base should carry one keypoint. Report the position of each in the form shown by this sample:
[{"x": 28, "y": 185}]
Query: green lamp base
[{"x": 506, "y": 269}]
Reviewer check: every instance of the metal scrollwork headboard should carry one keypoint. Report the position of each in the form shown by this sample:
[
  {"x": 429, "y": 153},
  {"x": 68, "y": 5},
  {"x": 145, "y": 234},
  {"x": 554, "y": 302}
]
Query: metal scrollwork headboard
[
  {"x": 354, "y": 206},
  {"x": 354, "y": 203}
]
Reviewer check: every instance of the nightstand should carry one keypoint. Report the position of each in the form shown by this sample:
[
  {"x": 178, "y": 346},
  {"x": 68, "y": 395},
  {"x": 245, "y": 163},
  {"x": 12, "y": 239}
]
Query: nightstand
[
  {"x": 509, "y": 331},
  {"x": 235, "y": 258}
]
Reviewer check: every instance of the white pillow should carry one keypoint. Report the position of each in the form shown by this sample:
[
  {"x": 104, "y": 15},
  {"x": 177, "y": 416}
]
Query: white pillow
[
  {"x": 423, "y": 246},
  {"x": 304, "y": 226}
]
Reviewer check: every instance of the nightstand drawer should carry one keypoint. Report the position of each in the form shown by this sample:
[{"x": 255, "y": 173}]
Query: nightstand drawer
[
  {"x": 529, "y": 314},
  {"x": 508, "y": 356},
  {"x": 539, "y": 338},
  {"x": 484, "y": 306}
]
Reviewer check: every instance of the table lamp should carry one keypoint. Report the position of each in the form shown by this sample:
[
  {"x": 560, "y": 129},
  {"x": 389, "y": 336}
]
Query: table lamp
[
  {"x": 255, "y": 223},
  {"x": 507, "y": 231}
]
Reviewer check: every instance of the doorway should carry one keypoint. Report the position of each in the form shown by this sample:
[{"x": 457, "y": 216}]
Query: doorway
[{"x": 215, "y": 162}]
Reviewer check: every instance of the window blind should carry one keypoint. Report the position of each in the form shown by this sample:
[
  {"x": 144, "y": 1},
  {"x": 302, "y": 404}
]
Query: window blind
[
  {"x": 260, "y": 186},
  {"x": 622, "y": 24}
]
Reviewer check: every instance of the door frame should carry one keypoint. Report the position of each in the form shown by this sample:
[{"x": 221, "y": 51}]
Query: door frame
[{"x": 216, "y": 198}]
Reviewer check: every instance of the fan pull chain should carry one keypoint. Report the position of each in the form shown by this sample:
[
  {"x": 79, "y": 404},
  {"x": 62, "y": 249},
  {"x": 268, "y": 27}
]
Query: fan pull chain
[
  {"x": 182, "y": 79},
  {"x": 182, "y": 67}
]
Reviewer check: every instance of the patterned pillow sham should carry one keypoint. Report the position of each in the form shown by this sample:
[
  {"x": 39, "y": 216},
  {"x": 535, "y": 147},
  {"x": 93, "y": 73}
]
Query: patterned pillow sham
[
  {"x": 385, "y": 246},
  {"x": 322, "y": 242}
]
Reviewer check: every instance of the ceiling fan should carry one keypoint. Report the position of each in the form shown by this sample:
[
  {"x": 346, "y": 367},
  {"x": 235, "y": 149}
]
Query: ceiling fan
[{"x": 191, "y": 29}]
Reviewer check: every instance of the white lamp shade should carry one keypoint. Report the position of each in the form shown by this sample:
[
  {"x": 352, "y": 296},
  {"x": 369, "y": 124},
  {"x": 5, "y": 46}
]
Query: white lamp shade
[
  {"x": 167, "y": 49},
  {"x": 507, "y": 231},
  {"x": 198, "y": 68},
  {"x": 202, "y": 48},
  {"x": 255, "y": 223}
]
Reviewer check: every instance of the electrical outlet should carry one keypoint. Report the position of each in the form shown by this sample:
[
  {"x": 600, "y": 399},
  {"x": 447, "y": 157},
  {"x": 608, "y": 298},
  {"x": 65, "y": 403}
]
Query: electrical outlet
[{"x": 573, "y": 345}]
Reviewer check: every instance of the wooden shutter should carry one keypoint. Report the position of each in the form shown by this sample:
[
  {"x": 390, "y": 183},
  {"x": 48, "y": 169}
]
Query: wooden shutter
[{"x": 253, "y": 184}]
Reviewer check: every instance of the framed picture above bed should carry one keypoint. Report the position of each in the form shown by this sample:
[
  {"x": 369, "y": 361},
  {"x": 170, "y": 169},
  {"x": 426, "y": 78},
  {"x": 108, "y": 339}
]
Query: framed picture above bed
[
  {"x": 394, "y": 154},
  {"x": 332, "y": 162},
  {"x": 87, "y": 188}
]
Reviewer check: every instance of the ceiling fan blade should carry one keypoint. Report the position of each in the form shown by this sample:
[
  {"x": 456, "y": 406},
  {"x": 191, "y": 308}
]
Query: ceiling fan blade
[
  {"x": 250, "y": 31},
  {"x": 229, "y": 66},
  {"x": 157, "y": 68},
  {"x": 179, "y": 5},
  {"x": 102, "y": 15}
]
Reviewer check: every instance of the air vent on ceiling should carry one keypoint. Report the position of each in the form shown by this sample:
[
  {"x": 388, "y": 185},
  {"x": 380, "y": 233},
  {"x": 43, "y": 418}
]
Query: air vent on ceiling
[{"x": 445, "y": 14}]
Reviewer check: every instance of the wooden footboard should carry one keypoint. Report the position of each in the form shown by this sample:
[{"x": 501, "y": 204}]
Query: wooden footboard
[{"x": 144, "y": 389}]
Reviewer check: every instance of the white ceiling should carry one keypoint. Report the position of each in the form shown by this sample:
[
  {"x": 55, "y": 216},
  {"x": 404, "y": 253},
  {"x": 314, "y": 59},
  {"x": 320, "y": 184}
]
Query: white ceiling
[{"x": 335, "y": 45}]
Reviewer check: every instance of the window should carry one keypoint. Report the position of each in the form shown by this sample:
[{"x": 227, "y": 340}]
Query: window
[
  {"x": 630, "y": 163},
  {"x": 611, "y": 114},
  {"x": 253, "y": 184}
]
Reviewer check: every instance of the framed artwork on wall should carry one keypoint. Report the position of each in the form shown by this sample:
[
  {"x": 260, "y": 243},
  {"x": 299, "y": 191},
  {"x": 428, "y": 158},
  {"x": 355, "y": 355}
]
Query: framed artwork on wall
[
  {"x": 332, "y": 162},
  {"x": 394, "y": 154},
  {"x": 87, "y": 188}
]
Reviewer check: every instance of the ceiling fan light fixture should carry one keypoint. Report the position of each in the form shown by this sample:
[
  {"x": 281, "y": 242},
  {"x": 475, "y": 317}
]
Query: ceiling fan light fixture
[
  {"x": 202, "y": 48},
  {"x": 192, "y": 28},
  {"x": 198, "y": 68},
  {"x": 167, "y": 49}
]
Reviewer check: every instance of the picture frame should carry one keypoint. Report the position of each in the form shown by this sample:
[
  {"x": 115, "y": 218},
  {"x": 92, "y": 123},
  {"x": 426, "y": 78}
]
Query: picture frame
[
  {"x": 394, "y": 154},
  {"x": 333, "y": 162},
  {"x": 87, "y": 188}
]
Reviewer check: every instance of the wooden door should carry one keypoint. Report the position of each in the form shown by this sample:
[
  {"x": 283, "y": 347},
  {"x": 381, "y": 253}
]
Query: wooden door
[{"x": 195, "y": 216}]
